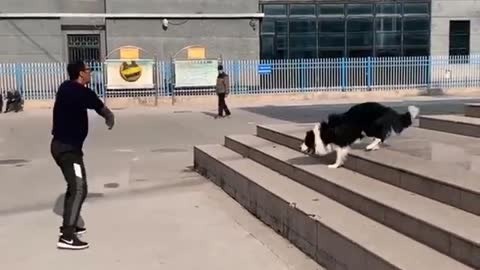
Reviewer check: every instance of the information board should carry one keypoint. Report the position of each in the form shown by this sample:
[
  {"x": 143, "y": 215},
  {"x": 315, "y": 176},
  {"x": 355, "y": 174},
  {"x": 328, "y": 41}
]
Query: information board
[{"x": 196, "y": 73}]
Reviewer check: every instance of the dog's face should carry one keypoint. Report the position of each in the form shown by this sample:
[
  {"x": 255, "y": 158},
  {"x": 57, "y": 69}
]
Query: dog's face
[
  {"x": 308, "y": 145},
  {"x": 313, "y": 144}
]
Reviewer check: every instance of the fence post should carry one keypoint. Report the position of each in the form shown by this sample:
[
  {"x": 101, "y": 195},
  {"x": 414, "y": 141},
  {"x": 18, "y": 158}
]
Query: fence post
[
  {"x": 169, "y": 76},
  {"x": 236, "y": 76},
  {"x": 103, "y": 81},
  {"x": 105, "y": 64},
  {"x": 19, "y": 79},
  {"x": 172, "y": 80},
  {"x": 344, "y": 73},
  {"x": 430, "y": 64},
  {"x": 157, "y": 79},
  {"x": 302, "y": 75},
  {"x": 369, "y": 73}
]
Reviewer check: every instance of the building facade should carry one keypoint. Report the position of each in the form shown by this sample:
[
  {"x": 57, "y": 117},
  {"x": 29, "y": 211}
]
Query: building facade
[
  {"x": 46, "y": 40},
  {"x": 346, "y": 29},
  {"x": 290, "y": 29}
]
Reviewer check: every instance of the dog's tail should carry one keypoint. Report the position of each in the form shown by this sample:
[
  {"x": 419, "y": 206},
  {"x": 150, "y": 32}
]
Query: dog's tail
[
  {"x": 407, "y": 118},
  {"x": 413, "y": 111}
]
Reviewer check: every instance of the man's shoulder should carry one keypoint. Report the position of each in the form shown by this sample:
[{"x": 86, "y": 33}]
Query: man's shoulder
[
  {"x": 69, "y": 92},
  {"x": 65, "y": 83},
  {"x": 62, "y": 86},
  {"x": 65, "y": 86},
  {"x": 72, "y": 88}
]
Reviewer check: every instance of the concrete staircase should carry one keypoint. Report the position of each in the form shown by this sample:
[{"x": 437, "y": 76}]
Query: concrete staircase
[
  {"x": 409, "y": 205},
  {"x": 467, "y": 124},
  {"x": 472, "y": 109}
]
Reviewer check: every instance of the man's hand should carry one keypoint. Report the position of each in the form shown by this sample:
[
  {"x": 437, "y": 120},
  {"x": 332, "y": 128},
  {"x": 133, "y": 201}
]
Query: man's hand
[
  {"x": 109, "y": 117},
  {"x": 110, "y": 122}
]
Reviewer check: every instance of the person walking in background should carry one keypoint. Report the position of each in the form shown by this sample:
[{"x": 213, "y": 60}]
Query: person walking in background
[
  {"x": 70, "y": 129},
  {"x": 223, "y": 89}
]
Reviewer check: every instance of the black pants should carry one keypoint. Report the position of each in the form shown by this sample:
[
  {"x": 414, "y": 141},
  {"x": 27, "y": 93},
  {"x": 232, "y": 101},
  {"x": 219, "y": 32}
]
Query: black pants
[
  {"x": 222, "y": 106},
  {"x": 70, "y": 161}
]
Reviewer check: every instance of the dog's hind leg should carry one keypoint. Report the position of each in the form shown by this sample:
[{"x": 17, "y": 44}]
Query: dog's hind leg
[{"x": 342, "y": 153}]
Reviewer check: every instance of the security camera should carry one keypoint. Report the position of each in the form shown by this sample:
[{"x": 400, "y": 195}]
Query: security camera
[
  {"x": 253, "y": 24},
  {"x": 164, "y": 24}
]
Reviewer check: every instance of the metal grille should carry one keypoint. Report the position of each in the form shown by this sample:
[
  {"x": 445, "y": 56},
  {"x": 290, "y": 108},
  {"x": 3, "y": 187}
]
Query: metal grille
[
  {"x": 84, "y": 48},
  {"x": 37, "y": 81}
]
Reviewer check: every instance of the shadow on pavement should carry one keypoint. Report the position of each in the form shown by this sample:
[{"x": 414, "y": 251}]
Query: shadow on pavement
[
  {"x": 317, "y": 113},
  {"x": 211, "y": 114},
  {"x": 58, "y": 207}
]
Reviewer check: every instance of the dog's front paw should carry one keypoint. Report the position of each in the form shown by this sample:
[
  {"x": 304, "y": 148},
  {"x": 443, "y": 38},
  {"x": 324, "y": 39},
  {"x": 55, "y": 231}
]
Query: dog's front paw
[
  {"x": 333, "y": 166},
  {"x": 372, "y": 148}
]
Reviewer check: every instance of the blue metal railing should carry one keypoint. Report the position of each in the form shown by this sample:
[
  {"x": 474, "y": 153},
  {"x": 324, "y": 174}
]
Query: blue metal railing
[{"x": 253, "y": 77}]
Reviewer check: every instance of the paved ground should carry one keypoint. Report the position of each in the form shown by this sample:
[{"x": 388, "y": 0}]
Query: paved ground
[{"x": 147, "y": 207}]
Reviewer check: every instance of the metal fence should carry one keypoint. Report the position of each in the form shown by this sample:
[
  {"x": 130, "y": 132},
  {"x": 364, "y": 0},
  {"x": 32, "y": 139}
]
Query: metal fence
[{"x": 37, "y": 81}]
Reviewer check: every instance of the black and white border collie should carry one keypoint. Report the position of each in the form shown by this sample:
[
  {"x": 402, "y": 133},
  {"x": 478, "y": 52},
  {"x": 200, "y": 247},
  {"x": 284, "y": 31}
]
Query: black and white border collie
[{"x": 369, "y": 119}]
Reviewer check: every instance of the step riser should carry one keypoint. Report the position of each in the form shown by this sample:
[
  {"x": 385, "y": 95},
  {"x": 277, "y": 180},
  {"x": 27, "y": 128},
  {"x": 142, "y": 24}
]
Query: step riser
[
  {"x": 312, "y": 237},
  {"x": 423, "y": 232},
  {"x": 450, "y": 127},
  {"x": 456, "y": 197},
  {"x": 472, "y": 111}
]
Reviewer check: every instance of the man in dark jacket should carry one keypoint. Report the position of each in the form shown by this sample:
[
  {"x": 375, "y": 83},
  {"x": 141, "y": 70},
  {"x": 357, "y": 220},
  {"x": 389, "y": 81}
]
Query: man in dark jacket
[
  {"x": 223, "y": 89},
  {"x": 70, "y": 129}
]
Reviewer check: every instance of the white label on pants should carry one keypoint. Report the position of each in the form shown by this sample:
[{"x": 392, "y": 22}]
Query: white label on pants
[{"x": 78, "y": 170}]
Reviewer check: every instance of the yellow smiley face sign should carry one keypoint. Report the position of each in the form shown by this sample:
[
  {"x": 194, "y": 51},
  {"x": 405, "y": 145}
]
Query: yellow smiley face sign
[{"x": 130, "y": 71}]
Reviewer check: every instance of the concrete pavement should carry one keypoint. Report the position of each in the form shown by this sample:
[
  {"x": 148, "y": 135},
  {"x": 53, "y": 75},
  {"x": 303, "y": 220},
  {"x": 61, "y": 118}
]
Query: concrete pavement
[
  {"x": 142, "y": 184},
  {"x": 195, "y": 226},
  {"x": 147, "y": 208}
]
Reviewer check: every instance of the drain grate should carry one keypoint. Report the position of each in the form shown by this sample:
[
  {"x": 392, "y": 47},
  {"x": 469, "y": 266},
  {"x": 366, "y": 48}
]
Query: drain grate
[
  {"x": 13, "y": 161},
  {"x": 95, "y": 195},
  {"x": 168, "y": 150},
  {"x": 111, "y": 185},
  {"x": 186, "y": 111}
]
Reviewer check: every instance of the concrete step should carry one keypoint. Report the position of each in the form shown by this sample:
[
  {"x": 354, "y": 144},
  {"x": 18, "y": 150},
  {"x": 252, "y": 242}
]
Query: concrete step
[
  {"x": 472, "y": 109},
  {"x": 467, "y": 142},
  {"x": 334, "y": 235},
  {"x": 447, "y": 184},
  {"x": 456, "y": 124},
  {"x": 444, "y": 150},
  {"x": 449, "y": 230}
]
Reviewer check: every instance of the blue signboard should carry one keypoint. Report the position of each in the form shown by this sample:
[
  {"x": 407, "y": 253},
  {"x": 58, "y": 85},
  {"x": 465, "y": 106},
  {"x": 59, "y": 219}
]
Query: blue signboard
[{"x": 264, "y": 69}]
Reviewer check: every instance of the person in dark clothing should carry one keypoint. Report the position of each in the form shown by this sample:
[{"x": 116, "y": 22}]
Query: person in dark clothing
[
  {"x": 222, "y": 89},
  {"x": 70, "y": 129},
  {"x": 1, "y": 102},
  {"x": 14, "y": 102}
]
